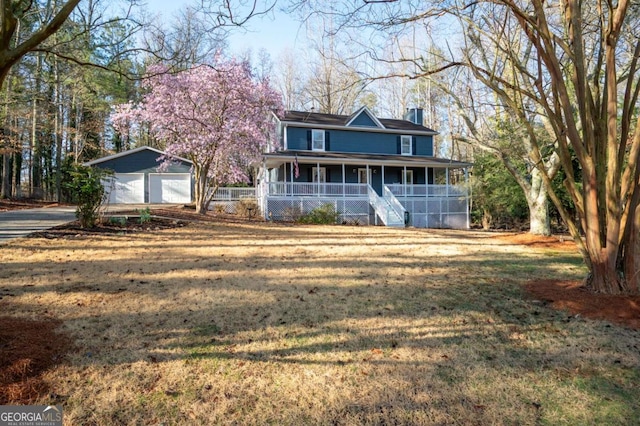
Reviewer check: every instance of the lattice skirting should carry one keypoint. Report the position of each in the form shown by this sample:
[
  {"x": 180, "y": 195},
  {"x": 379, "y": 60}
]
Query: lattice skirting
[
  {"x": 228, "y": 207},
  {"x": 433, "y": 212},
  {"x": 350, "y": 211},
  {"x": 436, "y": 212}
]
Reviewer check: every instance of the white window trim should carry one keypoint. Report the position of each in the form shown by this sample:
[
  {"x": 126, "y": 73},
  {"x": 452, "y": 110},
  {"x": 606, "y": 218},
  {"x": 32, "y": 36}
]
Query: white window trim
[
  {"x": 313, "y": 134},
  {"x": 402, "y": 139}
]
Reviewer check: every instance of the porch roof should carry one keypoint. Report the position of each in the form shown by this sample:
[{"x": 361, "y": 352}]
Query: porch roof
[{"x": 275, "y": 159}]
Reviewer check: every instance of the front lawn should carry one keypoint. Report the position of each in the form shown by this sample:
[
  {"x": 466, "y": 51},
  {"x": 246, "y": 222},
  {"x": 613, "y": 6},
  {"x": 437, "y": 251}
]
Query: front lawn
[{"x": 223, "y": 323}]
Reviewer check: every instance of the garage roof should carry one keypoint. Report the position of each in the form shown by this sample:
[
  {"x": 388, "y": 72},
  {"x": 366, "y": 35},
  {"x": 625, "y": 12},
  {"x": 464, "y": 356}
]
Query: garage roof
[{"x": 129, "y": 152}]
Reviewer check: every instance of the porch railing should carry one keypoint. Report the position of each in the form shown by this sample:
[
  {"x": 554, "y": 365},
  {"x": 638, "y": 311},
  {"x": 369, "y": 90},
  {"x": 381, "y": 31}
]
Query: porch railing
[
  {"x": 385, "y": 210},
  {"x": 400, "y": 190},
  {"x": 316, "y": 189},
  {"x": 393, "y": 201},
  {"x": 233, "y": 194}
]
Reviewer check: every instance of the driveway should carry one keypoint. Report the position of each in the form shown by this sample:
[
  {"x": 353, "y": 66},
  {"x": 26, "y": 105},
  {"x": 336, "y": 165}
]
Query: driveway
[{"x": 19, "y": 223}]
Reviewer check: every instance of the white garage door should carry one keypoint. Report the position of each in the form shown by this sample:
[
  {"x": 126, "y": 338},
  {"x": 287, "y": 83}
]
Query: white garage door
[
  {"x": 170, "y": 188},
  {"x": 126, "y": 188}
]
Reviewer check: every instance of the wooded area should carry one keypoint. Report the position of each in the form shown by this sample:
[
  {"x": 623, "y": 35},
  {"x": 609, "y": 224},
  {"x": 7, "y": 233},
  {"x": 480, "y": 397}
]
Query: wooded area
[{"x": 64, "y": 65}]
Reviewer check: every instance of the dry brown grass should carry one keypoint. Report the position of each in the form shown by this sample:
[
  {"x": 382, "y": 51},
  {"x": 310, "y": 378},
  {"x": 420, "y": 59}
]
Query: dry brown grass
[{"x": 265, "y": 324}]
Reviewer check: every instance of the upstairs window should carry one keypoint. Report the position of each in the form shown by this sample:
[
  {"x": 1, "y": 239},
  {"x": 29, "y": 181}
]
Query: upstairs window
[
  {"x": 405, "y": 145},
  {"x": 317, "y": 140}
]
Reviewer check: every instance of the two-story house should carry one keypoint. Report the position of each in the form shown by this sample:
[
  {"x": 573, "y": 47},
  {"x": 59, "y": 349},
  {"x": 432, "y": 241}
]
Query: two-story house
[{"x": 372, "y": 170}]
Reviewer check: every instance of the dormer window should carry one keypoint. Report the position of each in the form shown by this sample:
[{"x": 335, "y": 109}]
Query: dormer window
[
  {"x": 317, "y": 140},
  {"x": 405, "y": 145}
]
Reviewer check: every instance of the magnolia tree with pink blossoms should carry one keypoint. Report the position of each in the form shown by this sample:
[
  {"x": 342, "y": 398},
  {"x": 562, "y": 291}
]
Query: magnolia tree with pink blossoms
[{"x": 216, "y": 116}]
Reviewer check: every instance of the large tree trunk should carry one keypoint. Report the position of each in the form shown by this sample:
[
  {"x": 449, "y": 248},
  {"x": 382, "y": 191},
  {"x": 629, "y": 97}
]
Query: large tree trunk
[
  {"x": 536, "y": 196},
  {"x": 632, "y": 255},
  {"x": 5, "y": 192},
  {"x": 200, "y": 186},
  {"x": 539, "y": 223},
  {"x": 201, "y": 178},
  {"x": 16, "y": 190},
  {"x": 604, "y": 276}
]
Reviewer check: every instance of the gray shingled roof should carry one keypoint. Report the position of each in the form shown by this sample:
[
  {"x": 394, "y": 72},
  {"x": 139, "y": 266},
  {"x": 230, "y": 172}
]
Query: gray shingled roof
[
  {"x": 342, "y": 120},
  {"x": 382, "y": 158}
]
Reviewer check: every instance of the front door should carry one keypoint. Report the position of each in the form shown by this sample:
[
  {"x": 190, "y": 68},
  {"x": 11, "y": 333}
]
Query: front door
[
  {"x": 363, "y": 177},
  {"x": 407, "y": 180},
  {"x": 319, "y": 177}
]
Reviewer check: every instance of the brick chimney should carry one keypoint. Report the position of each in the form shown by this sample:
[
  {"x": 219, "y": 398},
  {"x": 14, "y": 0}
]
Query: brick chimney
[{"x": 414, "y": 115}]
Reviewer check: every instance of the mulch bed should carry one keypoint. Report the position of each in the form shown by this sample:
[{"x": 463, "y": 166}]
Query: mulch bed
[
  {"x": 128, "y": 222},
  {"x": 127, "y": 226},
  {"x": 28, "y": 348},
  {"x": 573, "y": 297},
  {"x": 554, "y": 242}
]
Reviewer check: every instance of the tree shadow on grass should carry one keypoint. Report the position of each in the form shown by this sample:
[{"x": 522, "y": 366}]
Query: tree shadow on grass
[{"x": 415, "y": 326}]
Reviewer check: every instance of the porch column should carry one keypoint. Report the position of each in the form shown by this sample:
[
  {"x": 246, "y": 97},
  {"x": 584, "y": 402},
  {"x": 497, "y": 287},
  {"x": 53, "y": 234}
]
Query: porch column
[
  {"x": 468, "y": 189},
  {"x": 426, "y": 181},
  {"x": 263, "y": 189},
  {"x": 446, "y": 171},
  {"x": 285, "y": 179},
  {"x": 368, "y": 177},
  {"x": 318, "y": 176},
  {"x": 344, "y": 189},
  {"x": 383, "y": 181},
  {"x": 404, "y": 181}
]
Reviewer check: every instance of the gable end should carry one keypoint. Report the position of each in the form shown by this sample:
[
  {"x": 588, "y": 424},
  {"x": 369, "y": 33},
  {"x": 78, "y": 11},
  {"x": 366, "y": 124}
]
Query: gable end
[{"x": 364, "y": 118}]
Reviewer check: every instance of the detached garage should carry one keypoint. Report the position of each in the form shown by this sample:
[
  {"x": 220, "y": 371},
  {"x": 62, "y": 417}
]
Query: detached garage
[
  {"x": 169, "y": 188},
  {"x": 125, "y": 188},
  {"x": 137, "y": 180}
]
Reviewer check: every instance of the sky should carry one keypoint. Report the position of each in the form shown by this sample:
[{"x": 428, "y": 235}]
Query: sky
[{"x": 274, "y": 32}]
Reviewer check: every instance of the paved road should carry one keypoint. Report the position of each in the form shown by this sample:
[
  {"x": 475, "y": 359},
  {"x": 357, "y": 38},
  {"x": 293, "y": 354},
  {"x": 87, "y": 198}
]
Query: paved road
[{"x": 19, "y": 223}]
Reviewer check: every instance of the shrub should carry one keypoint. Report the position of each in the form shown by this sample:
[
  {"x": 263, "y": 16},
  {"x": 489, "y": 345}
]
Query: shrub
[
  {"x": 323, "y": 215},
  {"x": 247, "y": 207},
  {"x": 88, "y": 192},
  {"x": 118, "y": 220},
  {"x": 145, "y": 215},
  {"x": 219, "y": 208},
  {"x": 292, "y": 214}
]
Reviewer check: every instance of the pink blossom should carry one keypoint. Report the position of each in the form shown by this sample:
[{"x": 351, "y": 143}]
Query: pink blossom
[{"x": 216, "y": 116}]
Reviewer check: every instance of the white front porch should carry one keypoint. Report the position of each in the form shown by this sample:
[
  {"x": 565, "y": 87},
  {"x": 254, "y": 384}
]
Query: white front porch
[
  {"x": 365, "y": 190},
  {"x": 360, "y": 189},
  {"x": 428, "y": 206}
]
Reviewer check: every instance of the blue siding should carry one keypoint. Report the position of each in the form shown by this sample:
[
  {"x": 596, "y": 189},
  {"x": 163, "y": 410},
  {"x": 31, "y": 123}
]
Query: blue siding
[
  {"x": 394, "y": 175},
  {"x": 359, "y": 142},
  {"x": 363, "y": 120}
]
